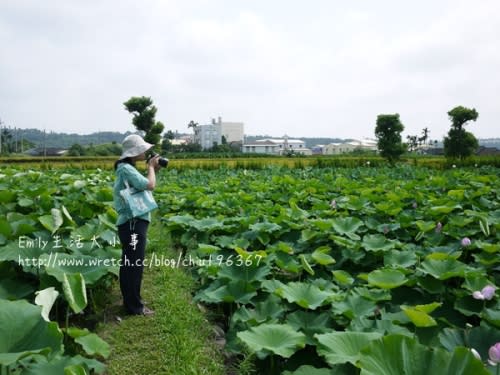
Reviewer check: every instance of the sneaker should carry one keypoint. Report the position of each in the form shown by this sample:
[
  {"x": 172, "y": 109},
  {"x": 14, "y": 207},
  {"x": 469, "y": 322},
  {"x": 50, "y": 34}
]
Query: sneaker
[{"x": 147, "y": 311}]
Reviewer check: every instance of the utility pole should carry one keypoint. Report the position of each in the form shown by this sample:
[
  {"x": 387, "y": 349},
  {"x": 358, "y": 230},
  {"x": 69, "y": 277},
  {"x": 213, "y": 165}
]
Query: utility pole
[{"x": 44, "y": 148}]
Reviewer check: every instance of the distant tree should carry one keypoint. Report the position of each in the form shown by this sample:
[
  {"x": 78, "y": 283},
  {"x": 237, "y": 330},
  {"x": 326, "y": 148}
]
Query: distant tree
[
  {"x": 7, "y": 145},
  {"x": 166, "y": 144},
  {"x": 412, "y": 142},
  {"x": 388, "y": 132},
  {"x": 144, "y": 118},
  {"x": 76, "y": 150},
  {"x": 194, "y": 126},
  {"x": 425, "y": 136},
  {"x": 460, "y": 143}
]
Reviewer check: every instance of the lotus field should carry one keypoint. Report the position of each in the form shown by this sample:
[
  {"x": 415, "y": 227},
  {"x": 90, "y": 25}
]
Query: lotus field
[
  {"x": 367, "y": 270},
  {"x": 346, "y": 271},
  {"x": 58, "y": 256}
]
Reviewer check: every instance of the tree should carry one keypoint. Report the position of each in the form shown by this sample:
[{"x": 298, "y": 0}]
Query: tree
[
  {"x": 166, "y": 144},
  {"x": 412, "y": 142},
  {"x": 388, "y": 132},
  {"x": 425, "y": 135},
  {"x": 195, "y": 127},
  {"x": 76, "y": 150},
  {"x": 144, "y": 118},
  {"x": 460, "y": 143}
]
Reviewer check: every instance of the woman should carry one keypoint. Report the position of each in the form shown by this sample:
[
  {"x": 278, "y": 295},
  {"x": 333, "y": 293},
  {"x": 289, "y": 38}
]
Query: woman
[{"x": 133, "y": 231}]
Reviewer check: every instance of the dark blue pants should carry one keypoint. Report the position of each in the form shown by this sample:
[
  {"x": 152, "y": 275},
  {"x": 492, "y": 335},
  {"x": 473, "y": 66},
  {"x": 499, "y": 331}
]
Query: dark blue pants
[{"x": 133, "y": 236}]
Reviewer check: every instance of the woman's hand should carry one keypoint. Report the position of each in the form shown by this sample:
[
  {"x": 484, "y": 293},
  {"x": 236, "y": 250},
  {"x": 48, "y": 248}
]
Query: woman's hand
[{"x": 153, "y": 163}]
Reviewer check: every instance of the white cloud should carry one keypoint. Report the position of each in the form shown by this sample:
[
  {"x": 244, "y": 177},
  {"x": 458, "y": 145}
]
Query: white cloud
[{"x": 317, "y": 69}]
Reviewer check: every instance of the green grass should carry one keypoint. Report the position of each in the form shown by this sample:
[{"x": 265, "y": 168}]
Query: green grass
[{"x": 178, "y": 339}]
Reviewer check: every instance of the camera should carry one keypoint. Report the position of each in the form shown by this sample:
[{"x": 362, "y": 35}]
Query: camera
[{"x": 163, "y": 162}]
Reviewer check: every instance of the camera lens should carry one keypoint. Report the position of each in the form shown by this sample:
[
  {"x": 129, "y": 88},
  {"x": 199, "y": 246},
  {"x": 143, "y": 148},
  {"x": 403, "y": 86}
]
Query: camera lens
[{"x": 163, "y": 162}]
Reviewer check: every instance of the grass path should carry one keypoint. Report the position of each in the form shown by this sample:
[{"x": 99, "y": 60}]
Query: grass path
[{"x": 176, "y": 340}]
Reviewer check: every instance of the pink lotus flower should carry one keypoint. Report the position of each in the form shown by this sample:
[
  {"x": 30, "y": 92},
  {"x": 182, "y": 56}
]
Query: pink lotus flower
[
  {"x": 487, "y": 293},
  {"x": 494, "y": 354},
  {"x": 466, "y": 241},
  {"x": 414, "y": 205},
  {"x": 333, "y": 204}
]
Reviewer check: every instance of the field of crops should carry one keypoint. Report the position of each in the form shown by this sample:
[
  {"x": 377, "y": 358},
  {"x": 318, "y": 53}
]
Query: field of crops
[
  {"x": 337, "y": 271},
  {"x": 310, "y": 270},
  {"x": 58, "y": 256}
]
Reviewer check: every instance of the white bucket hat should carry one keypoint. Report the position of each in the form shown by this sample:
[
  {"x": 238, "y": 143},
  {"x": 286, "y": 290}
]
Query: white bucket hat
[{"x": 134, "y": 145}]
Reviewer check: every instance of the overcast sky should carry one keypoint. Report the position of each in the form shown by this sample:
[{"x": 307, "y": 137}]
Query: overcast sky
[{"x": 302, "y": 68}]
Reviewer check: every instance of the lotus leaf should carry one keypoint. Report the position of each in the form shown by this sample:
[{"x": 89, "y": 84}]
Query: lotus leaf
[{"x": 279, "y": 339}]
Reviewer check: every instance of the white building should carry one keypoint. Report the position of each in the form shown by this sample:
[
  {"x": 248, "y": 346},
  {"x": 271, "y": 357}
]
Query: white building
[
  {"x": 209, "y": 135},
  {"x": 348, "y": 147},
  {"x": 276, "y": 146}
]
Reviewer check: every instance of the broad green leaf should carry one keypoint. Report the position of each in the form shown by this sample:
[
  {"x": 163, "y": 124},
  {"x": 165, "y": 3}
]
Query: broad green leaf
[
  {"x": 310, "y": 323},
  {"x": 468, "y": 305},
  {"x": 377, "y": 242},
  {"x": 25, "y": 202},
  {"x": 347, "y": 226},
  {"x": 243, "y": 272},
  {"x": 402, "y": 259},
  {"x": 488, "y": 247},
  {"x": 64, "y": 365},
  {"x": 321, "y": 256},
  {"x": 94, "y": 345},
  {"x": 67, "y": 215},
  {"x": 425, "y": 226},
  {"x": 206, "y": 249},
  {"x": 387, "y": 278},
  {"x": 492, "y": 316},
  {"x": 53, "y": 221},
  {"x": 343, "y": 277},
  {"x": 7, "y": 196},
  {"x": 207, "y": 224},
  {"x": 15, "y": 288},
  {"x": 342, "y": 347},
  {"x": 305, "y": 264},
  {"x": 58, "y": 264},
  {"x": 238, "y": 291},
  {"x": 396, "y": 355},
  {"x": 305, "y": 295},
  {"x": 310, "y": 370},
  {"x": 443, "y": 269},
  {"x": 73, "y": 286},
  {"x": 419, "y": 315},
  {"x": 344, "y": 242},
  {"x": 354, "y": 306},
  {"x": 5, "y": 228},
  {"x": 265, "y": 227},
  {"x": 444, "y": 209},
  {"x": 79, "y": 184},
  {"x": 269, "y": 310},
  {"x": 24, "y": 332},
  {"x": 280, "y": 339},
  {"x": 456, "y": 194},
  {"x": 479, "y": 338},
  {"x": 485, "y": 228},
  {"x": 75, "y": 370}
]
